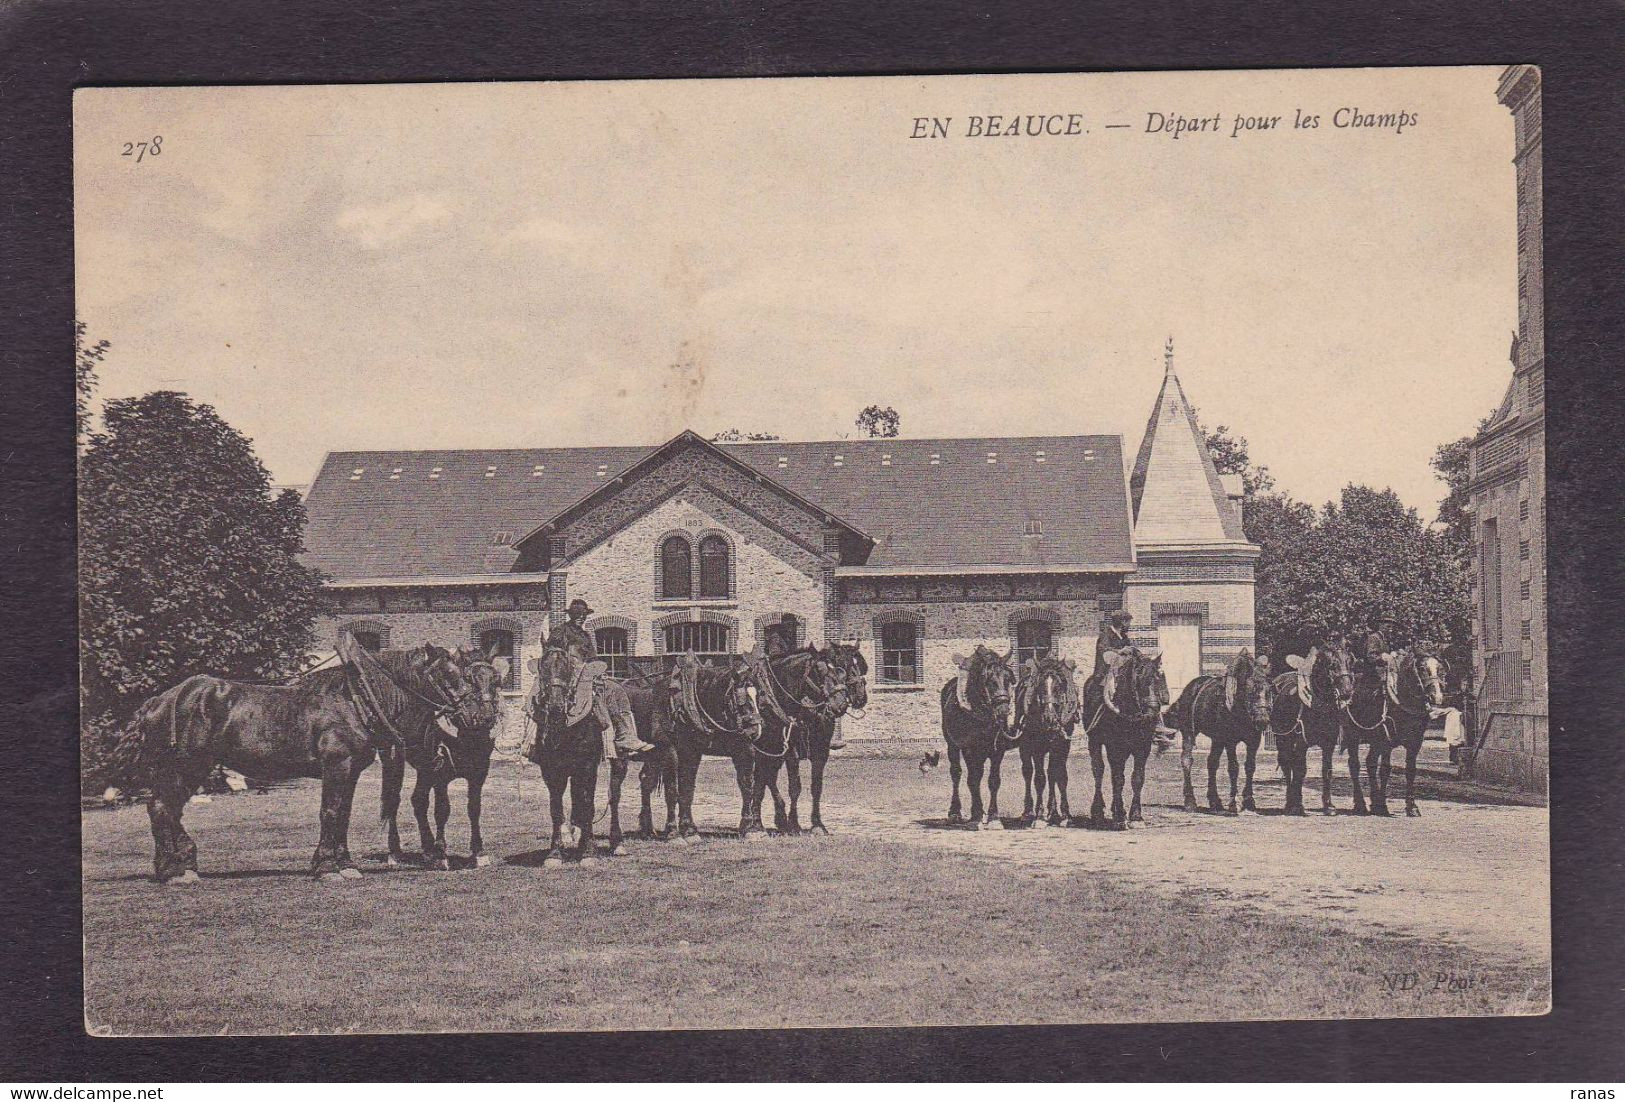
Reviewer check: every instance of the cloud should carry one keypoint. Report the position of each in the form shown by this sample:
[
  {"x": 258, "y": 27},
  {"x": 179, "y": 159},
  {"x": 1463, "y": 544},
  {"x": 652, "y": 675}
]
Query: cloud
[{"x": 385, "y": 224}]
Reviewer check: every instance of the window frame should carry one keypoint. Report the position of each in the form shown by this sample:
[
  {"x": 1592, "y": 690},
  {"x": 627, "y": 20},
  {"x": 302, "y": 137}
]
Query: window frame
[
  {"x": 668, "y": 577},
  {"x": 696, "y": 628},
  {"x": 1022, "y": 649},
  {"x": 619, "y": 662},
  {"x": 884, "y": 648},
  {"x": 510, "y": 681},
  {"x": 722, "y": 549}
]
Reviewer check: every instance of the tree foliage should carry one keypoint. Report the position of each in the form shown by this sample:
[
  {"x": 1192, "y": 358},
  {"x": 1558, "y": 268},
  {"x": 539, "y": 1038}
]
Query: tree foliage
[
  {"x": 877, "y": 421},
  {"x": 85, "y": 358},
  {"x": 187, "y": 563},
  {"x": 1231, "y": 456}
]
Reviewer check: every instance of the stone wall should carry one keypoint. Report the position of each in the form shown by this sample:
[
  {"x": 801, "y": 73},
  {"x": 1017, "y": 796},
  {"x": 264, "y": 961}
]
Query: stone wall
[{"x": 949, "y": 622}]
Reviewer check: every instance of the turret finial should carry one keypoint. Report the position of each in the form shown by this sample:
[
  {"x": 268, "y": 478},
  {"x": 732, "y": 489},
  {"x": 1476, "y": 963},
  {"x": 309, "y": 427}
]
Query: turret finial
[{"x": 1168, "y": 356}]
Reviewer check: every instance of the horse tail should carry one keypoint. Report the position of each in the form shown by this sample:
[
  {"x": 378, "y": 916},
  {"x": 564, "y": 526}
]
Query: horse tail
[
  {"x": 1184, "y": 709},
  {"x": 142, "y": 739}
]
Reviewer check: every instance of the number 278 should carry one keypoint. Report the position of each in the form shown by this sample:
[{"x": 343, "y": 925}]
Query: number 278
[{"x": 142, "y": 150}]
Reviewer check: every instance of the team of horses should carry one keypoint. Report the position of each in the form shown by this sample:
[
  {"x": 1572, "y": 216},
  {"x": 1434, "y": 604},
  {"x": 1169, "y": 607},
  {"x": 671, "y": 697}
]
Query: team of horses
[{"x": 435, "y": 710}]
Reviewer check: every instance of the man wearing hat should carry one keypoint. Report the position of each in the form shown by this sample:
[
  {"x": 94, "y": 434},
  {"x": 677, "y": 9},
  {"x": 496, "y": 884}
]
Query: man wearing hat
[
  {"x": 614, "y": 711},
  {"x": 1113, "y": 636},
  {"x": 1379, "y": 644},
  {"x": 781, "y": 637}
]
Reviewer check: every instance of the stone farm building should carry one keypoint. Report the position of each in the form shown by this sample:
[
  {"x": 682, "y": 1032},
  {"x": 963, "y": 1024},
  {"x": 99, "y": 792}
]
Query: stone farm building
[{"x": 916, "y": 549}]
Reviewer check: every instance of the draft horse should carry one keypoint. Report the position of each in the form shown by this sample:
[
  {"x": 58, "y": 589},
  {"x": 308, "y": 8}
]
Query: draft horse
[
  {"x": 977, "y": 707},
  {"x": 802, "y": 696},
  {"x": 702, "y": 710},
  {"x": 1311, "y": 700},
  {"x": 1047, "y": 707},
  {"x": 469, "y": 759},
  {"x": 1391, "y": 708},
  {"x": 1232, "y": 710},
  {"x": 329, "y": 724},
  {"x": 1125, "y": 706}
]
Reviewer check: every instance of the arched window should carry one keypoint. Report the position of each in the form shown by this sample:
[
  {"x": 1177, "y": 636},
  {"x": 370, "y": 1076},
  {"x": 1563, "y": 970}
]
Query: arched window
[
  {"x": 1034, "y": 639},
  {"x": 676, "y": 569},
  {"x": 713, "y": 567},
  {"x": 614, "y": 647},
  {"x": 498, "y": 643}
]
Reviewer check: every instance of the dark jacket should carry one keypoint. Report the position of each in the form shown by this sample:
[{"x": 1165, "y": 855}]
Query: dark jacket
[
  {"x": 1110, "y": 638},
  {"x": 573, "y": 640}
]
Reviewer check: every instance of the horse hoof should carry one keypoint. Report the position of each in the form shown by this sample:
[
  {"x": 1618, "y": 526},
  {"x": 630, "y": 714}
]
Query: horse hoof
[
  {"x": 350, "y": 872},
  {"x": 482, "y": 860},
  {"x": 1038, "y": 824},
  {"x": 750, "y": 836},
  {"x": 329, "y": 877},
  {"x": 391, "y": 862},
  {"x": 618, "y": 849},
  {"x": 1119, "y": 824},
  {"x": 443, "y": 864},
  {"x": 1328, "y": 811},
  {"x": 553, "y": 863},
  {"x": 189, "y": 876},
  {"x": 1413, "y": 813},
  {"x": 588, "y": 861},
  {"x": 819, "y": 828},
  {"x": 1190, "y": 805},
  {"x": 973, "y": 825},
  {"x": 995, "y": 824}
]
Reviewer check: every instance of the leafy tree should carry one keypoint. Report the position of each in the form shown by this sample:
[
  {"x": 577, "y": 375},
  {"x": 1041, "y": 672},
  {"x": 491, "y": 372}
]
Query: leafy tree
[
  {"x": 1230, "y": 456},
  {"x": 85, "y": 358},
  {"x": 875, "y": 421},
  {"x": 734, "y": 436},
  {"x": 1450, "y": 463},
  {"x": 187, "y": 563}
]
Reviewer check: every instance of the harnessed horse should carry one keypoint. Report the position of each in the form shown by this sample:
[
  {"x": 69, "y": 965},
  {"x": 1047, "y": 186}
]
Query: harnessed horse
[
  {"x": 471, "y": 761},
  {"x": 1232, "y": 710},
  {"x": 1125, "y": 707},
  {"x": 1047, "y": 707},
  {"x": 1392, "y": 707},
  {"x": 977, "y": 710},
  {"x": 1308, "y": 709},
  {"x": 802, "y": 694},
  {"x": 329, "y": 724}
]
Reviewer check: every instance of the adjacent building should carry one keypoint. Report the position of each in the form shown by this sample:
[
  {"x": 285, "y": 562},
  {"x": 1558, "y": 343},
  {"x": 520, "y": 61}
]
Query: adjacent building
[
  {"x": 914, "y": 549},
  {"x": 1508, "y": 503}
]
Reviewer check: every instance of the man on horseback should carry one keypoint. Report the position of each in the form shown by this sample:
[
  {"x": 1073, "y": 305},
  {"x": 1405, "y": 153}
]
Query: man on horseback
[
  {"x": 614, "y": 714},
  {"x": 1113, "y": 637},
  {"x": 1379, "y": 650}
]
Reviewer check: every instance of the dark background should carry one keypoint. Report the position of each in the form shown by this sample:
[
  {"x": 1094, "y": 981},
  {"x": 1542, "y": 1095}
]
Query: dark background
[{"x": 49, "y": 48}]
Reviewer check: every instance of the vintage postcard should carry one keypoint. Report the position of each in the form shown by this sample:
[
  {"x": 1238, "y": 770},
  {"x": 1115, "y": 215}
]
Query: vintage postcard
[{"x": 943, "y": 550}]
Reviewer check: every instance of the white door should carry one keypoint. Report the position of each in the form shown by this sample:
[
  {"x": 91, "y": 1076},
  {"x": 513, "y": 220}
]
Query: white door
[{"x": 1180, "y": 638}]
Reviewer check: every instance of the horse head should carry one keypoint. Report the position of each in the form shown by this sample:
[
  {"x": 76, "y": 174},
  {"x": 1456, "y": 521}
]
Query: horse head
[
  {"x": 1430, "y": 671},
  {"x": 848, "y": 663},
  {"x": 991, "y": 683},
  {"x": 1253, "y": 689},
  {"x": 440, "y": 679},
  {"x": 1143, "y": 694},
  {"x": 486, "y": 674},
  {"x": 1332, "y": 677},
  {"x": 556, "y": 675},
  {"x": 1052, "y": 694},
  {"x": 740, "y": 689}
]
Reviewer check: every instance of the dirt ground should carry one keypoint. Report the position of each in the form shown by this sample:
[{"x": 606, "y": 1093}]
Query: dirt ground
[{"x": 892, "y": 919}]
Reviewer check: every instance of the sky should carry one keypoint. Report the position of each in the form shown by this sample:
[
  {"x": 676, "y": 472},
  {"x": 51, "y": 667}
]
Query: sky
[{"x": 555, "y": 264}]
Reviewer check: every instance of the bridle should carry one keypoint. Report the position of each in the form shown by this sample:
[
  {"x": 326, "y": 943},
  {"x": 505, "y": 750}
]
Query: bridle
[
  {"x": 452, "y": 701},
  {"x": 1424, "y": 684},
  {"x": 1054, "y": 714},
  {"x": 1347, "y": 710},
  {"x": 823, "y": 709}
]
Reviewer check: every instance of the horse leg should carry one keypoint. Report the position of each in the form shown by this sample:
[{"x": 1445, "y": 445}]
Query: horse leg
[
  {"x": 688, "y": 771},
  {"x": 818, "y": 758},
  {"x": 770, "y": 777},
  {"x": 1119, "y": 814},
  {"x": 1097, "y": 761},
  {"x": 668, "y": 789},
  {"x": 648, "y": 777},
  {"x": 1057, "y": 779},
  {"x": 956, "y": 768},
  {"x": 994, "y": 762},
  {"x": 442, "y": 812},
  {"x": 1214, "y": 752},
  {"x": 1027, "y": 816},
  {"x": 1410, "y": 780},
  {"x": 1041, "y": 785},
  {"x": 556, "y": 779},
  {"x": 1354, "y": 778},
  {"x": 792, "y": 788},
  {"x": 421, "y": 791},
  {"x": 335, "y": 778},
  {"x": 174, "y": 854},
  {"x": 1327, "y": 752},
  {"x": 389, "y": 807},
  {"x": 745, "y": 775},
  {"x": 974, "y": 760},
  {"x": 1187, "y": 755},
  {"x": 476, "y": 795},
  {"x": 1247, "y": 803},
  {"x": 1374, "y": 760},
  {"x": 583, "y": 795},
  {"x": 1135, "y": 815},
  {"x": 617, "y": 777},
  {"x": 1230, "y": 763}
]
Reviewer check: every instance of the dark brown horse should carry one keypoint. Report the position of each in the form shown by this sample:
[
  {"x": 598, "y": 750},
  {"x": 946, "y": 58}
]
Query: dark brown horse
[
  {"x": 1123, "y": 711},
  {"x": 977, "y": 708},
  {"x": 1232, "y": 710},
  {"x": 469, "y": 759},
  {"x": 328, "y": 724},
  {"x": 1047, "y": 707},
  {"x": 702, "y": 710},
  {"x": 1310, "y": 702},
  {"x": 802, "y": 696},
  {"x": 1391, "y": 708}
]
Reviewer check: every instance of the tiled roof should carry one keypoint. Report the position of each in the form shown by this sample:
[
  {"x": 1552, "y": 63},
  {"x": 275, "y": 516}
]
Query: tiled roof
[{"x": 928, "y": 504}]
